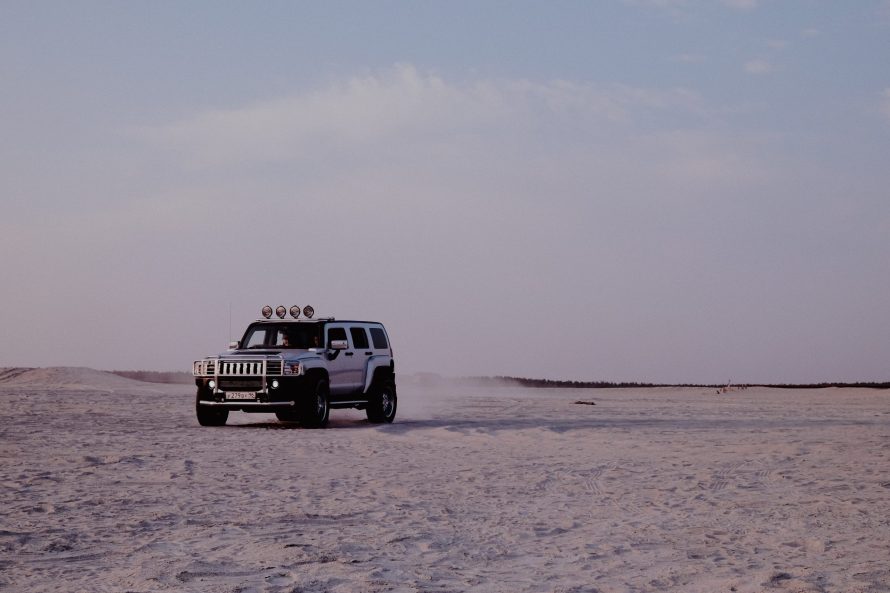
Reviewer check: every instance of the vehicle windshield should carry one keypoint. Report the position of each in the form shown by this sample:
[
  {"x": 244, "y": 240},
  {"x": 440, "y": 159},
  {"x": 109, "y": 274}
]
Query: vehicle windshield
[{"x": 283, "y": 335}]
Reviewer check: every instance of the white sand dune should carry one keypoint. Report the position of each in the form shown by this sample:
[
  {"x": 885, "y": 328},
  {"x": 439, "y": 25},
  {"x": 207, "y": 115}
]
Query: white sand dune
[
  {"x": 501, "y": 489},
  {"x": 78, "y": 378}
]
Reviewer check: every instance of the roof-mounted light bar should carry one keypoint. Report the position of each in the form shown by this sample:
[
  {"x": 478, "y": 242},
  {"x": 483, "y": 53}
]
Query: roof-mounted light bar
[{"x": 308, "y": 311}]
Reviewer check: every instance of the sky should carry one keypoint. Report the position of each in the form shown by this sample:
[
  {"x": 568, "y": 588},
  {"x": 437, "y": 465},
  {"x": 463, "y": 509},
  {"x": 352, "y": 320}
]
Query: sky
[{"x": 636, "y": 190}]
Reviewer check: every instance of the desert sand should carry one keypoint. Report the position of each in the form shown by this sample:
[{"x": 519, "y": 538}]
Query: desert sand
[{"x": 110, "y": 485}]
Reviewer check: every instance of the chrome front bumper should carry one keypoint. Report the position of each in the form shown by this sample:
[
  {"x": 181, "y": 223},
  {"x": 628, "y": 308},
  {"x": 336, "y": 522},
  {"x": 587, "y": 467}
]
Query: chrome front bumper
[{"x": 236, "y": 403}]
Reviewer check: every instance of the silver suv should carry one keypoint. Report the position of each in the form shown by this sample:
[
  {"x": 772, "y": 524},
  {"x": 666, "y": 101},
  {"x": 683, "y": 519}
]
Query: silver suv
[{"x": 299, "y": 368}]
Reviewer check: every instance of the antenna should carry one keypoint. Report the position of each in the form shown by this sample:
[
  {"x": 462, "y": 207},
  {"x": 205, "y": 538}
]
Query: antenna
[{"x": 230, "y": 321}]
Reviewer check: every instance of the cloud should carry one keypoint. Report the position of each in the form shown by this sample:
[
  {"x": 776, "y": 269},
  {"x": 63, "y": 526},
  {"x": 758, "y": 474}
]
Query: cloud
[
  {"x": 414, "y": 143},
  {"x": 811, "y": 32},
  {"x": 403, "y": 136},
  {"x": 758, "y": 67},
  {"x": 402, "y": 107}
]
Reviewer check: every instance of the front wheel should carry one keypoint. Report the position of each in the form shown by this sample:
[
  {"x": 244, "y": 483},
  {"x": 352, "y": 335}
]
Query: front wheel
[
  {"x": 209, "y": 416},
  {"x": 317, "y": 407},
  {"x": 382, "y": 407}
]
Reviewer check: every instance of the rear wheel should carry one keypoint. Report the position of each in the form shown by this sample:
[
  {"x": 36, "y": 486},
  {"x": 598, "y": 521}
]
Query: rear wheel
[
  {"x": 288, "y": 416},
  {"x": 317, "y": 406},
  {"x": 382, "y": 406},
  {"x": 208, "y": 415}
]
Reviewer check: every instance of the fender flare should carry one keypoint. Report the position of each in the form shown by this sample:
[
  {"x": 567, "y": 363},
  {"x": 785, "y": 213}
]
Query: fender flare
[
  {"x": 380, "y": 368},
  {"x": 317, "y": 372}
]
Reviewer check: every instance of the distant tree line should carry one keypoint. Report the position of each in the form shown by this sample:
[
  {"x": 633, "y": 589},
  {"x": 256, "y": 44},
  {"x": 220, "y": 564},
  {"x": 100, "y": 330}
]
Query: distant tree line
[
  {"x": 861, "y": 384},
  {"x": 527, "y": 382}
]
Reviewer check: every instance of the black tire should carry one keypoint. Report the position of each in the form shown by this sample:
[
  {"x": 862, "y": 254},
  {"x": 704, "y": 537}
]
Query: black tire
[
  {"x": 208, "y": 415},
  {"x": 383, "y": 403},
  {"x": 316, "y": 407}
]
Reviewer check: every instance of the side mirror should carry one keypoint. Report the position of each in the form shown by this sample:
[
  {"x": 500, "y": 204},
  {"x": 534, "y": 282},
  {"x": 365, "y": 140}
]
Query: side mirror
[
  {"x": 234, "y": 345},
  {"x": 339, "y": 344}
]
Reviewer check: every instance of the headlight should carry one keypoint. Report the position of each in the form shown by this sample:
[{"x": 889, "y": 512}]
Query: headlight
[{"x": 293, "y": 368}]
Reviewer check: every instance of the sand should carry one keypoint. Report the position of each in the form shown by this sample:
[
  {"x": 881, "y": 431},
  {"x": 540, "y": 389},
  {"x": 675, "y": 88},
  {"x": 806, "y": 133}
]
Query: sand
[{"x": 111, "y": 485}]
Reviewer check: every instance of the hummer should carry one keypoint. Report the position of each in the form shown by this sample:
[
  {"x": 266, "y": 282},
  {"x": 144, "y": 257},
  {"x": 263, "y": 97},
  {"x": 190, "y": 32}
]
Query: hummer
[{"x": 299, "y": 368}]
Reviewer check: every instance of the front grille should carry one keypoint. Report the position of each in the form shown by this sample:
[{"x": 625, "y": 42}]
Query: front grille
[
  {"x": 241, "y": 384},
  {"x": 237, "y": 367},
  {"x": 252, "y": 368}
]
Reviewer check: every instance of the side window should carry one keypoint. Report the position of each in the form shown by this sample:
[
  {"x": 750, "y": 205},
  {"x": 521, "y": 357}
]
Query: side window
[
  {"x": 379, "y": 338},
  {"x": 336, "y": 333},
  {"x": 359, "y": 337}
]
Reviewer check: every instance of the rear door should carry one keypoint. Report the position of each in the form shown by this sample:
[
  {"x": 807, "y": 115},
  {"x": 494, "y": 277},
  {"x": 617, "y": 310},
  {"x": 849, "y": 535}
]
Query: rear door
[{"x": 362, "y": 345}]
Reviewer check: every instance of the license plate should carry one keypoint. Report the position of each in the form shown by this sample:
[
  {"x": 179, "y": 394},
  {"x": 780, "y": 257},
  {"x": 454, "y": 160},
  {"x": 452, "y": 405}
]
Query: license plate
[{"x": 240, "y": 395}]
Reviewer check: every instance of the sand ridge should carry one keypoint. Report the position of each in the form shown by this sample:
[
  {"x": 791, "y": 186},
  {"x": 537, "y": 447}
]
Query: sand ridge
[
  {"x": 502, "y": 489},
  {"x": 69, "y": 378}
]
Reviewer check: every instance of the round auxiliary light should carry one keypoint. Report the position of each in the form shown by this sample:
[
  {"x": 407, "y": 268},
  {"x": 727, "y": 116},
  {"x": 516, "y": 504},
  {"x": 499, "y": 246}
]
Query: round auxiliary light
[
  {"x": 295, "y": 311},
  {"x": 280, "y": 311},
  {"x": 267, "y": 311},
  {"x": 308, "y": 311},
  {"x": 211, "y": 384},
  {"x": 275, "y": 384}
]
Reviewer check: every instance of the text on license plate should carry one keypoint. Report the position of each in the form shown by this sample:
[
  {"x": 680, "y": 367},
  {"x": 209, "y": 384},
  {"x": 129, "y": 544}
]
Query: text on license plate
[{"x": 240, "y": 395}]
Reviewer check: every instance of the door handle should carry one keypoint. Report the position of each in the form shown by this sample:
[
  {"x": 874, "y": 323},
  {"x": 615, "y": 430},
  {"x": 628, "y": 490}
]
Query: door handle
[
  {"x": 349, "y": 353},
  {"x": 368, "y": 353}
]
